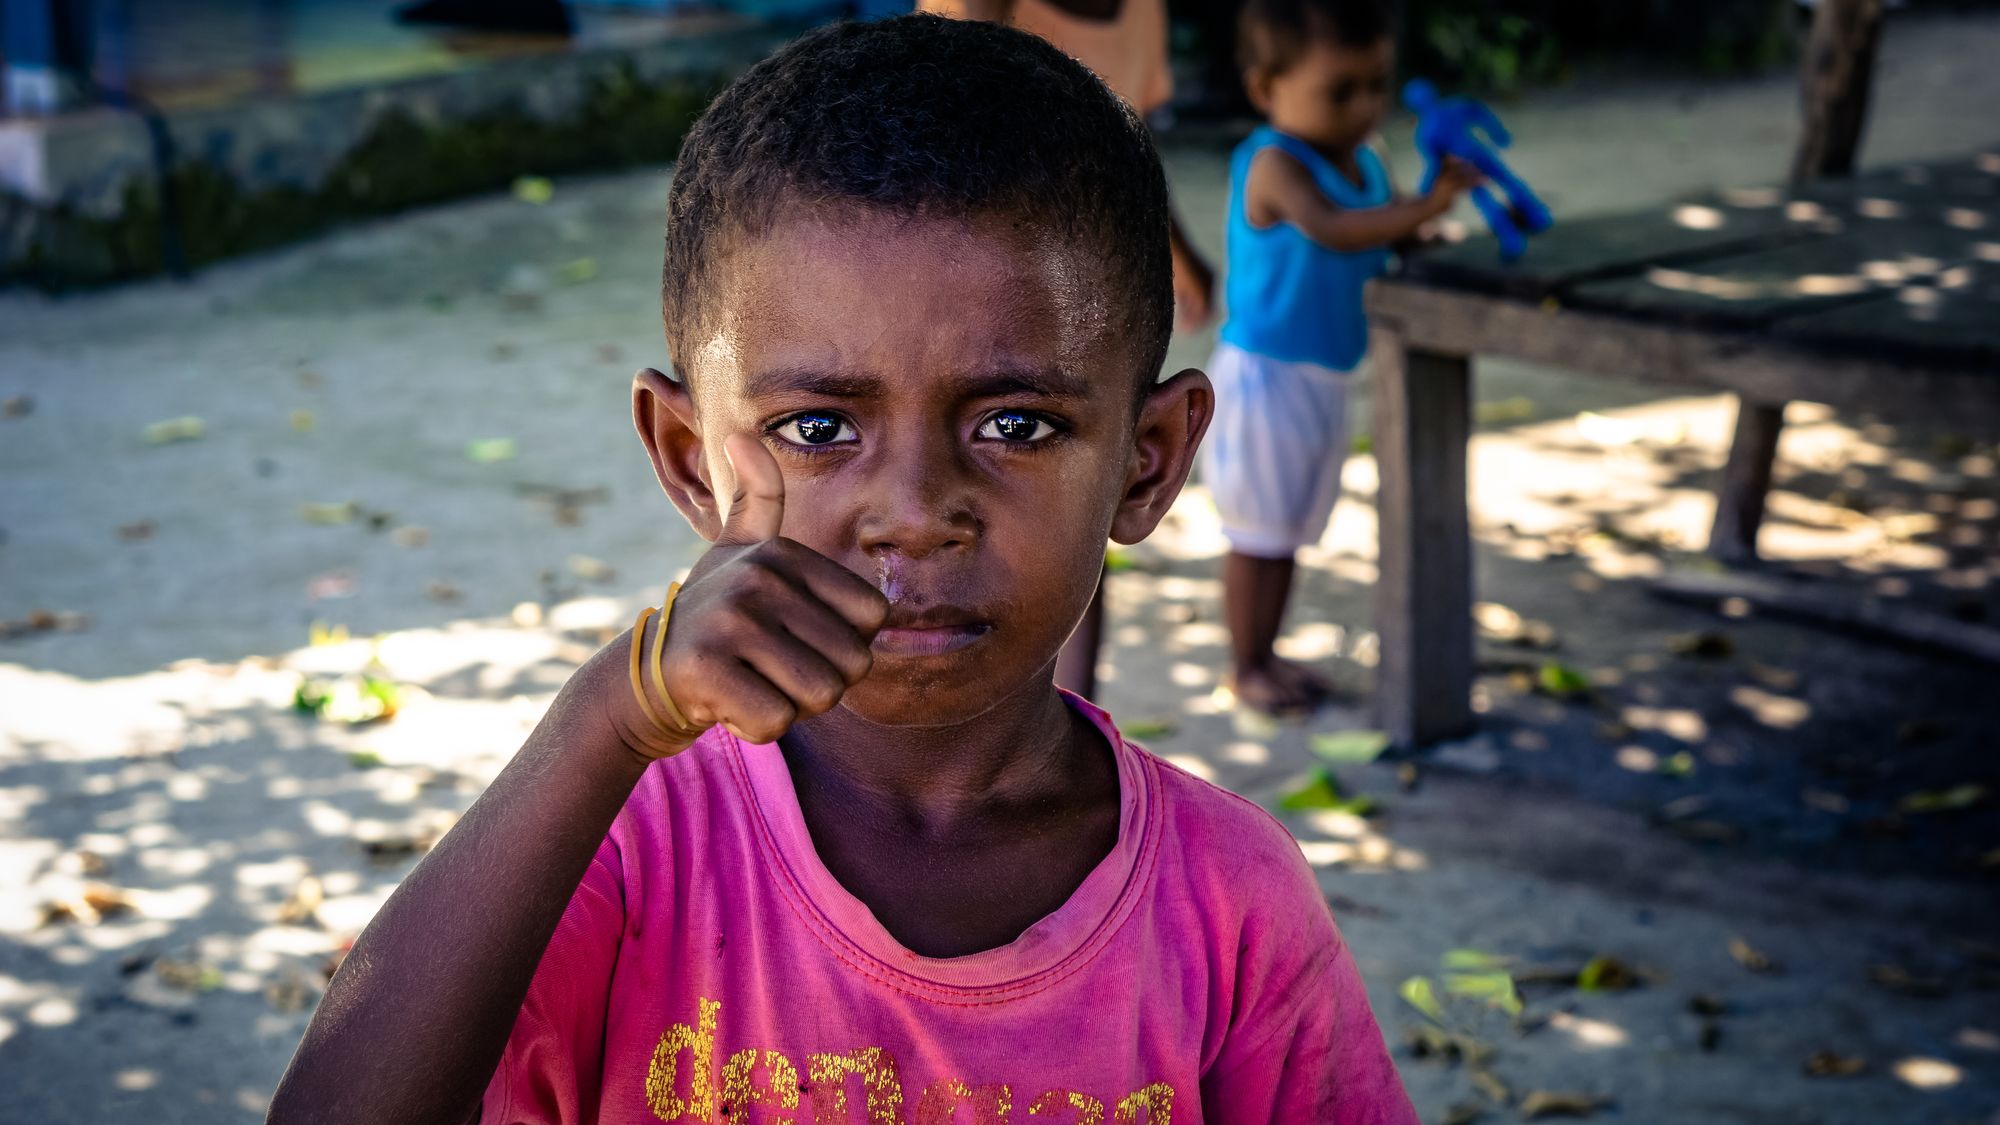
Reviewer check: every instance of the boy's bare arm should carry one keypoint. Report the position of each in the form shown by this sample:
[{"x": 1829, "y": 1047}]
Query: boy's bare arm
[
  {"x": 1279, "y": 189},
  {"x": 415, "y": 1022}
]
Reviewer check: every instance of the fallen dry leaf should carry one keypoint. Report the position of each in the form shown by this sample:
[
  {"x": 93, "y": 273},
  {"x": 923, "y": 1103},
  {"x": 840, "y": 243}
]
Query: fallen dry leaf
[
  {"x": 185, "y": 428},
  {"x": 302, "y": 907},
  {"x": 187, "y": 976},
  {"x": 1547, "y": 1103},
  {"x": 132, "y": 532},
  {"x": 590, "y": 569},
  {"x": 411, "y": 536},
  {"x": 17, "y": 406},
  {"x": 1828, "y": 1064},
  {"x": 441, "y": 592},
  {"x": 1489, "y": 1084},
  {"x": 1704, "y": 645},
  {"x": 290, "y": 993},
  {"x": 1750, "y": 957},
  {"x": 1462, "y": 1113},
  {"x": 1896, "y": 978}
]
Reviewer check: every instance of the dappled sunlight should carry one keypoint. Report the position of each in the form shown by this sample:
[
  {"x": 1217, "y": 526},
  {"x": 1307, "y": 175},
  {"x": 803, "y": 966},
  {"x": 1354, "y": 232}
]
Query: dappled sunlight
[
  {"x": 1591, "y": 1034},
  {"x": 1928, "y": 1073}
]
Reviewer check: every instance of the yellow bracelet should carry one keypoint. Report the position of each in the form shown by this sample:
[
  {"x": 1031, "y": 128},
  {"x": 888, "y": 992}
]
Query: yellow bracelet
[
  {"x": 632, "y": 666},
  {"x": 674, "y": 714}
]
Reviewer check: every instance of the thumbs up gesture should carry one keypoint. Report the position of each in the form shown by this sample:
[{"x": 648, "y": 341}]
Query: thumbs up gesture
[{"x": 765, "y": 631}]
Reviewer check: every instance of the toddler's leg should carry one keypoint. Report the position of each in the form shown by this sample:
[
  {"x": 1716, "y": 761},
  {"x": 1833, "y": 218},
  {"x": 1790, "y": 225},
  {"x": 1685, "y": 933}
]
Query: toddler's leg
[{"x": 1272, "y": 462}]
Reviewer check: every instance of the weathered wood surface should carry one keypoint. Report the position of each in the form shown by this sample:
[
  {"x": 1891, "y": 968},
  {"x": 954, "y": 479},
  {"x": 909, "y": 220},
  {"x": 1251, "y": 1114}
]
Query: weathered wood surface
[
  {"x": 1759, "y": 365},
  {"x": 1837, "y": 609},
  {"x": 1423, "y": 597},
  {"x": 1838, "y": 70},
  {"x": 1746, "y": 480},
  {"x": 1895, "y": 263}
]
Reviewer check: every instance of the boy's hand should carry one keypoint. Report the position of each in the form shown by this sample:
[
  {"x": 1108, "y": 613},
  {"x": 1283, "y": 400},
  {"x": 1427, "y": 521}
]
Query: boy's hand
[
  {"x": 1455, "y": 178},
  {"x": 765, "y": 631}
]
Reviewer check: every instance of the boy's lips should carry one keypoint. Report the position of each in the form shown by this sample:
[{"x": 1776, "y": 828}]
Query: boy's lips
[{"x": 931, "y": 633}]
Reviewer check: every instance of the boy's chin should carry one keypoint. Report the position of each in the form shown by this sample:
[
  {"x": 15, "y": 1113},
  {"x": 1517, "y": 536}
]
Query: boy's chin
[{"x": 901, "y": 693}]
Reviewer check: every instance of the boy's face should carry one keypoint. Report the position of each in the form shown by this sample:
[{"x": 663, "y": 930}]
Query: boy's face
[
  {"x": 1333, "y": 96},
  {"x": 952, "y": 406}
]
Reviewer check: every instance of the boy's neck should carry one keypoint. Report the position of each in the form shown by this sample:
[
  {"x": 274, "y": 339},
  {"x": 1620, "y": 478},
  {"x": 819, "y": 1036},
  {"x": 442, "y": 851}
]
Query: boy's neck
[{"x": 1025, "y": 748}]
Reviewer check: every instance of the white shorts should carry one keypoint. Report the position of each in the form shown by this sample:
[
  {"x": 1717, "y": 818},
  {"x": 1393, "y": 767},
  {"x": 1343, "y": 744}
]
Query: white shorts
[{"x": 1273, "y": 455}]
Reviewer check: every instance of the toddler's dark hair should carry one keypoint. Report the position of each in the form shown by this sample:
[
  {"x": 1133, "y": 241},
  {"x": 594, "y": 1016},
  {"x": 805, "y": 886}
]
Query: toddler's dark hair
[
  {"x": 921, "y": 115},
  {"x": 1274, "y": 33}
]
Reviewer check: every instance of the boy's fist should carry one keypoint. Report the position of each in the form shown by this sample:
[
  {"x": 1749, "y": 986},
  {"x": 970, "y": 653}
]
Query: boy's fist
[{"x": 765, "y": 631}]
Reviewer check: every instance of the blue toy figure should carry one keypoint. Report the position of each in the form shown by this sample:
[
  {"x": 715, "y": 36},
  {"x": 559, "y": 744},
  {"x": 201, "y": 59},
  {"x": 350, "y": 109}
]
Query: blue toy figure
[{"x": 1451, "y": 127}]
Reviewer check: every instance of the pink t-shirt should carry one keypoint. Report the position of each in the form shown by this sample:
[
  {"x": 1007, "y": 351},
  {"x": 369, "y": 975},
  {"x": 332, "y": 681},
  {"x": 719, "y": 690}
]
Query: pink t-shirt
[{"x": 710, "y": 968}]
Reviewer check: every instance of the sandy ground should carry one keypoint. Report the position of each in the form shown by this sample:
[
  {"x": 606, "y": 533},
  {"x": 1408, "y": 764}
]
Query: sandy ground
[{"x": 1758, "y": 794}]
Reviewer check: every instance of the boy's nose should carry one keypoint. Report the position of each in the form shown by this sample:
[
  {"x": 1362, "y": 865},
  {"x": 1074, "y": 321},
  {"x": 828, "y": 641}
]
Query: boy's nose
[{"x": 917, "y": 506}]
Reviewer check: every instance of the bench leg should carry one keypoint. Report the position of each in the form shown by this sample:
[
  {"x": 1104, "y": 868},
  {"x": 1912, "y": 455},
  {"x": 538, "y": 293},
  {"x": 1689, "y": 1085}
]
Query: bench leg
[
  {"x": 1423, "y": 609},
  {"x": 1746, "y": 478}
]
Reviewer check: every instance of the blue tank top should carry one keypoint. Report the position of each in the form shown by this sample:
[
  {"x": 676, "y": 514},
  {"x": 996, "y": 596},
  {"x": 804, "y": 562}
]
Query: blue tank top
[{"x": 1287, "y": 296}]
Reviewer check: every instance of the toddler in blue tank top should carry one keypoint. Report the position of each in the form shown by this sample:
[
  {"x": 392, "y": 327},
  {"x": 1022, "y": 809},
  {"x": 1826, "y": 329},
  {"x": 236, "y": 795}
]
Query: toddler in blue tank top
[{"x": 1312, "y": 217}]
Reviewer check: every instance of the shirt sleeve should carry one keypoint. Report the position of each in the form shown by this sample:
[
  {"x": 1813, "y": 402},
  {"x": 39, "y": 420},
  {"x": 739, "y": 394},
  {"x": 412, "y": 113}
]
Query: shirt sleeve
[
  {"x": 1303, "y": 1045},
  {"x": 552, "y": 1067}
]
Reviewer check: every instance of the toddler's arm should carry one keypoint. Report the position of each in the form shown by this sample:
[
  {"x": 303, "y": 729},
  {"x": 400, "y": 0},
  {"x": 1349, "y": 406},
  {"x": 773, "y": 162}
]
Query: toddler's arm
[
  {"x": 414, "y": 1023},
  {"x": 1279, "y": 189}
]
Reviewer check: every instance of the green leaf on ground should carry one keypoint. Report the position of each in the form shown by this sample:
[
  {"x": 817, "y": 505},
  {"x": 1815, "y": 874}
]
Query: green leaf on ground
[
  {"x": 1151, "y": 728},
  {"x": 485, "y": 451},
  {"x": 185, "y": 428},
  {"x": 1362, "y": 445},
  {"x": 1495, "y": 988},
  {"x": 1606, "y": 974},
  {"x": 1515, "y": 409},
  {"x": 1419, "y": 993},
  {"x": 1350, "y": 746},
  {"x": 1321, "y": 791},
  {"x": 578, "y": 271},
  {"x": 1942, "y": 800},
  {"x": 1678, "y": 764},
  {"x": 364, "y": 759},
  {"x": 1118, "y": 561},
  {"x": 330, "y": 514},
  {"x": 534, "y": 189},
  {"x": 1561, "y": 680},
  {"x": 1473, "y": 961}
]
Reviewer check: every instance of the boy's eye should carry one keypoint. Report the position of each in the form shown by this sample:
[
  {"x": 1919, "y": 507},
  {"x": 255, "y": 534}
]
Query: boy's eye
[
  {"x": 815, "y": 429},
  {"x": 1016, "y": 426}
]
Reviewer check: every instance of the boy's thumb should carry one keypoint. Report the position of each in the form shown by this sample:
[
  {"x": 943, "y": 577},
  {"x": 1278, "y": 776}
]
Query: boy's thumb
[{"x": 757, "y": 507}]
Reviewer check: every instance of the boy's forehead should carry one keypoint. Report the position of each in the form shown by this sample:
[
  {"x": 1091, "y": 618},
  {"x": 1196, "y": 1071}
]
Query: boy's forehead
[{"x": 900, "y": 297}]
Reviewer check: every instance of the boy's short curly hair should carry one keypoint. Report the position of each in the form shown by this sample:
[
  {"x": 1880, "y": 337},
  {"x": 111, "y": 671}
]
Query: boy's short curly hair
[
  {"x": 921, "y": 115},
  {"x": 1273, "y": 33}
]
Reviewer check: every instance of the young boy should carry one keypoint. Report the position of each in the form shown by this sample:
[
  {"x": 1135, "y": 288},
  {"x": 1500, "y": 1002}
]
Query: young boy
[
  {"x": 1311, "y": 219},
  {"x": 846, "y": 854}
]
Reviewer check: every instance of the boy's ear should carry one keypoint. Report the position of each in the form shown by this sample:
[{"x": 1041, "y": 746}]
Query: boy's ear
[
  {"x": 1171, "y": 422},
  {"x": 665, "y": 416}
]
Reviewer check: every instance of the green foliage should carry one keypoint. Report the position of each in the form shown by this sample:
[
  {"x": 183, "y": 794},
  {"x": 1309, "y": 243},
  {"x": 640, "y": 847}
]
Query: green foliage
[
  {"x": 402, "y": 163},
  {"x": 1501, "y": 46}
]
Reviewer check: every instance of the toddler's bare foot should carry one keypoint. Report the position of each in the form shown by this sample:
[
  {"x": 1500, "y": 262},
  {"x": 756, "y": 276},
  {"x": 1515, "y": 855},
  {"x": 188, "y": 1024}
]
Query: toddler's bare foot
[
  {"x": 1306, "y": 677},
  {"x": 1276, "y": 688}
]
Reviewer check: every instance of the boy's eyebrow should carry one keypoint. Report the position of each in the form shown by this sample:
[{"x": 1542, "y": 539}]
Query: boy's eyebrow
[
  {"x": 811, "y": 381},
  {"x": 1046, "y": 382}
]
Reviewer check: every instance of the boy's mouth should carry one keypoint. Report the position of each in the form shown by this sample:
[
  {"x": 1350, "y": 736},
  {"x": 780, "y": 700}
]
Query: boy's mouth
[{"x": 931, "y": 633}]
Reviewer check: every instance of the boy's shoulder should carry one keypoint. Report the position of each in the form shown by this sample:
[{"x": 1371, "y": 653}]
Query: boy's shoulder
[{"x": 1222, "y": 834}]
